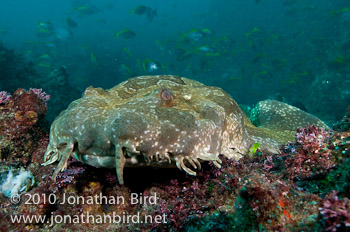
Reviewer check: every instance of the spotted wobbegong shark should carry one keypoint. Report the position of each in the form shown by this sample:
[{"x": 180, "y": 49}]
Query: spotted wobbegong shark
[{"x": 165, "y": 121}]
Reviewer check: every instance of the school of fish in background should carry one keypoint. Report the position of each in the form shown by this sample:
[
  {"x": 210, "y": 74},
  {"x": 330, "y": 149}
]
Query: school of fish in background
[{"x": 297, "y": 51}]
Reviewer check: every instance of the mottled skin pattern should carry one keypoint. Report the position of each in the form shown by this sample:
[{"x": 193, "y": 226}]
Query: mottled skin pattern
[{"x": 161, "y": 121}]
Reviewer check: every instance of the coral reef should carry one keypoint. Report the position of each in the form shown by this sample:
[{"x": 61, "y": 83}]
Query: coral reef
[
  {"x": 310, "y": 154},
  {"x": 22, "y": 125},
  {"x": 335, "y": 213},
  {"x": 4, "y": 97}
]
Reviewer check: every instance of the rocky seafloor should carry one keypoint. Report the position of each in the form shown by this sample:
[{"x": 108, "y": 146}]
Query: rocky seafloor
[{"x": 304, "y": 188}]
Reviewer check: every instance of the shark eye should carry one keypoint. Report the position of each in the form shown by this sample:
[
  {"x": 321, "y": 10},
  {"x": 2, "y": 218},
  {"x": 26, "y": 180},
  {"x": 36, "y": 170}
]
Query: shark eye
[{"x": 166, "y": 97}]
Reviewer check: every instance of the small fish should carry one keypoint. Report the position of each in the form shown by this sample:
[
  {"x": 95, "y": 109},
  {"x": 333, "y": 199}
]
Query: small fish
[
  {"x": 343, "y": 13},
  {"x": 296, "y": 78},
  {"x": 161, "y": 45},
  {"x": 150, "y": 66},
  {"x": 45, "y": 29},
  {"x": 145, "y": 10},
  {"x": 128, "y": 52},
  {"x": 63, "y": 33},
  {"x": 44, "y": 57},
  {"x": 196, "y": 35},
  {"x": 46, "y": 25},
  {"x": 51, "y": 45},
  {"x": 181, "y": 54},
  {"x": 151, "y": 14},
  {"x": 93, "y": 59},
  {"x": 206, "y": 48},
  {"x": 126, "y": 34},
  {"x": 342, "y": 60},
  {"x": 207, "y": 31},
  {"x": 185, "y": 56},
  {"x": 139, "y": 10},
  {"x": 262, "y": 73},
  {"x": 255, "y": 29},
  {"x": 86, "y": 10},
  {"x": 44, "y": 65},
  {"x": 224, "y": 41},
  {"x": 192, "y": 35},
  {"x": 125, "y": 70},
  {"x": 177, "y": 51},
  {"x": 169, "y": 67},
  {"x": 346, "y": 9},
  {"x": 71, "y": 23}
]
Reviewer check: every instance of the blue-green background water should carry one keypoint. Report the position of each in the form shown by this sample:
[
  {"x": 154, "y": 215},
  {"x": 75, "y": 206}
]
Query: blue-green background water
[{"x": 297, "y": 51}]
